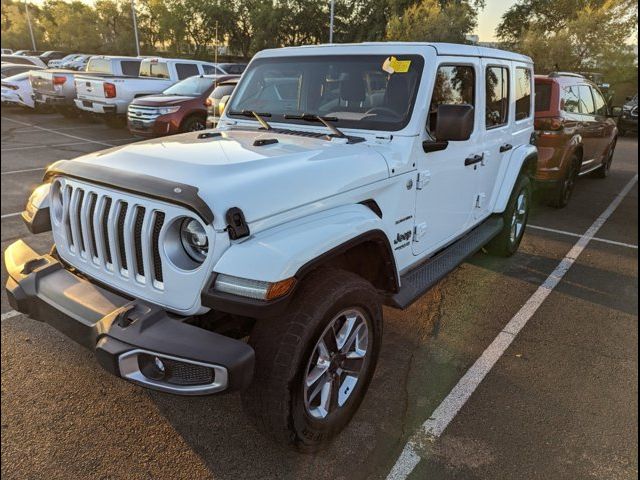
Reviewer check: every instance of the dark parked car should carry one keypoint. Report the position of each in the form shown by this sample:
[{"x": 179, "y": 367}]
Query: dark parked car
[
  {"x": 576, "y": 133},
  {"x": 628, "y": 121},
  {"x": 217, "y": 100},
  {"x": 180, "y": 108},
  {"x": 233, "y": 68},
  {"x": 52, "y": 55},
  {"x": 11, "y": 69}
]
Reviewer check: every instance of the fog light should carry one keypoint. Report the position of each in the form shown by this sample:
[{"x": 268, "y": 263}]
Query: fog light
[{"x": 151, "y": 366}]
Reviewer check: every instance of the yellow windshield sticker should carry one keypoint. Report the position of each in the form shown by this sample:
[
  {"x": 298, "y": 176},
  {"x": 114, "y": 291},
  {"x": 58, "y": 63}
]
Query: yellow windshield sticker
[{"x": 393, "y": 65}]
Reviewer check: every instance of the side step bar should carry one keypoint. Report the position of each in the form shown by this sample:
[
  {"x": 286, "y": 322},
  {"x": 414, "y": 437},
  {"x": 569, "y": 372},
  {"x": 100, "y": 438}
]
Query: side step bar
[{"x": 418, "y": 281}]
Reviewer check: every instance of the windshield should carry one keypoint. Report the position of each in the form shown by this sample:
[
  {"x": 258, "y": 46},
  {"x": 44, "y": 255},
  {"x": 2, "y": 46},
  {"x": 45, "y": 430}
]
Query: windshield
[
  {"x": 191, "y": 87},
  {"x": 373, "y": 92}
]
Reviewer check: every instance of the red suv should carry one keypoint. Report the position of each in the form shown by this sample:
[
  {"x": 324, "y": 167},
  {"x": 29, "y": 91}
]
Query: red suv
[
  {"x": 180, "y": 108},
  {"x": 576, "y": 133}
]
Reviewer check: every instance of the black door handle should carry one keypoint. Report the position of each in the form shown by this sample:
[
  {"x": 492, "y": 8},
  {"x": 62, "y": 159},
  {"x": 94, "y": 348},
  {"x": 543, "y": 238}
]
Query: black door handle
[
  {"x": 473, "y": 159},
  {"x": 506, "y": 147}
]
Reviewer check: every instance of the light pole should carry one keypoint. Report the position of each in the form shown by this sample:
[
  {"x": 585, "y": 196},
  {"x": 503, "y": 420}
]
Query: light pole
[
  {"x": 33, "y": 39},
  {"x": 135, "y": 27},
  {"x": 332, "y": 10}
]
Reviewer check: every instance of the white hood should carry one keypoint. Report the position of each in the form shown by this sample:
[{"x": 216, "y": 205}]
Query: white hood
[{"x": 229, "y": 171}]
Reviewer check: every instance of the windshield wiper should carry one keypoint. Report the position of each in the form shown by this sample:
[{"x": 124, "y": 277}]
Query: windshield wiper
[
  {"x": 310, "y": 117},
  {"x": 258, "y": 116}
]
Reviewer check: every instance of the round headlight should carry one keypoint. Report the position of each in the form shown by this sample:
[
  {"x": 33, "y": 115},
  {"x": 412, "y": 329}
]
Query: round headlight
[{"x": 194, "y": 239}]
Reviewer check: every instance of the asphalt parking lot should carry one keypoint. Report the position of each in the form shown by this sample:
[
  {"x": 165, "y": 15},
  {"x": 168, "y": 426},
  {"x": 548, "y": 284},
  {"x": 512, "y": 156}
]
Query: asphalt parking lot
[{"x": 556, "y": 399}]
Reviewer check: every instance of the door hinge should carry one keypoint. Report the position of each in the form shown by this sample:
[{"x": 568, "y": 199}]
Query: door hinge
[
  {"x": 480, "y": 200},
  {"x": 419, "y": 231},
  {"x": 423, "y": 178}
]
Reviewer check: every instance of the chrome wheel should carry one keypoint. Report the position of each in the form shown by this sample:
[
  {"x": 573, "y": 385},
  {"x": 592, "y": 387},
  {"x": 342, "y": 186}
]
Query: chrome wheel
[
  {"x": 336, "y": 363},
  {"x": 519, "y": 217}
]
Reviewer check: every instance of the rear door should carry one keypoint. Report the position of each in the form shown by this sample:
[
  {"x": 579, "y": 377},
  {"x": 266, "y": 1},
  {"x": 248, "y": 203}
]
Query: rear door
[
  {"x": 591, "y": 128},
  {"x": 446, "y": 187},
  {"x": 497, "y": 143}
]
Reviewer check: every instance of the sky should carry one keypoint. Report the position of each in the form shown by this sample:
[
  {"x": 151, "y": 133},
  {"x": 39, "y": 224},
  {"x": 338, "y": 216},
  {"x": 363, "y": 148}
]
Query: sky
[{"x": 489, "y": 18}]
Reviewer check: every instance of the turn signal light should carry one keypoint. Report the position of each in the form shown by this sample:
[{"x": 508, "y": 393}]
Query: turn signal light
[
  {"x": 109, "y": 90},
  {"x": 209, "y": 102},
  {"x": 549, "y": 123},
  {"x": 59, "y": 80},
  {"x": 280, "y": 289}
]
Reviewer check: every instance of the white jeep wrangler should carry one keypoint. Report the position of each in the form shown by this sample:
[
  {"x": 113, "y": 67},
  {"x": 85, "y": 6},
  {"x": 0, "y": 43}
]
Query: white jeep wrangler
[{"x": 339, "y": 179}]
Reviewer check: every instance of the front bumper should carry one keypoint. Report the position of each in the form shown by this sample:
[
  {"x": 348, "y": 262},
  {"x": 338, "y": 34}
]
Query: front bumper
[
  {"x": 128, "y": 336},
  {"x": 628, "y": 122}
]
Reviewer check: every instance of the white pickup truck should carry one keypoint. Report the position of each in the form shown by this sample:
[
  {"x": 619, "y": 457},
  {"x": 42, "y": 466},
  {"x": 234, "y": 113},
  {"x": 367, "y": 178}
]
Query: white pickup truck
[
  {"x": 111, "y": 97},
  {"x": 56, "y": 87}
]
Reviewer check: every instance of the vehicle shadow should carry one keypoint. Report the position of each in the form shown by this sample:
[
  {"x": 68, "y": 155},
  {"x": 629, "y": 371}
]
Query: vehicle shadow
[
  {"x": 610, "y": 288},
  {"x": 217, "y": 429}
]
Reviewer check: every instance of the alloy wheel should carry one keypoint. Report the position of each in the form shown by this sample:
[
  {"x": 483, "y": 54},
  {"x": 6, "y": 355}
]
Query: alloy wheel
[
  {"x": 336, "y": 364},
  {"x": 519, "y": 217}
]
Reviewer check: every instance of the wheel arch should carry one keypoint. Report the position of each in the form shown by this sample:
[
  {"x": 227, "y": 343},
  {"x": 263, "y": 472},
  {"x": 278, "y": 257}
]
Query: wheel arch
[{"x": 524, "y": 160}]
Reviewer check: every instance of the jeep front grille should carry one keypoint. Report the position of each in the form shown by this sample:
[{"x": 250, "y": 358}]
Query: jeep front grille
[
  {"x": 120, "y": 239},
  {"x": 101, "y": 229}
]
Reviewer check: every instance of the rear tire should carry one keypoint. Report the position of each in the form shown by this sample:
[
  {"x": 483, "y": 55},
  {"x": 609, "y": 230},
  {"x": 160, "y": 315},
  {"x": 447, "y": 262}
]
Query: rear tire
[
  {"x": 515, "y": 219},
  {"x": 301, "y": 371},
  {"x": 603, "y": 171},
  {"x": 560, "y": 197}
]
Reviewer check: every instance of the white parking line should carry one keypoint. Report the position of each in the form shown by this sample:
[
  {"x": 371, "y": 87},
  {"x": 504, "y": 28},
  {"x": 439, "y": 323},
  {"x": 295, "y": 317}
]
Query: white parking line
[
  {"x": 9, "y": 215},
  {"x": 31, "y": 130},
  {"x": 37, "y": 127},
  {"x": 435, "y": 425},
  {"x": 577, "y": 235},
  {"x": 25, "y": 170},
  {"x": 9, "y": 314}
]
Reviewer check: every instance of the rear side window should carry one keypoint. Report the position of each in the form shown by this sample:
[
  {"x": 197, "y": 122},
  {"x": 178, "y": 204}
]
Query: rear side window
[
  {"x": 211, "y": 70},
  {"x": 571, "y": 99},
  {"x": 186, "y": 70},
  {"x": 543, "y": 97},
  {"x": 455, "y": 85},
  {"x": 130, "y": 68},
  {"x": 99, "y": 65},
  {"x": 523, "y": 93},
  {"x": 586, "y": 100},
  {"x": 497, "y": 85},
  {"x": 153, "y": 68},
  {"x": 600, "y": 103}
]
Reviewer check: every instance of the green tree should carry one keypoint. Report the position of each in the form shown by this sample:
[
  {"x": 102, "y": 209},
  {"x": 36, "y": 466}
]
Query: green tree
[
  {"x": 574, "y": 35},
  {"x": 15, "y": 29},
  {"x": 70, "y": 26},
  {"x": 434, "y": 21}
]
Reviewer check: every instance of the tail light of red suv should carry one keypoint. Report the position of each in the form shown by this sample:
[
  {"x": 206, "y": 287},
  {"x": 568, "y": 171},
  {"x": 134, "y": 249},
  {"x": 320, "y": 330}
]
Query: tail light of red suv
[{"x": 549, "y": 124}]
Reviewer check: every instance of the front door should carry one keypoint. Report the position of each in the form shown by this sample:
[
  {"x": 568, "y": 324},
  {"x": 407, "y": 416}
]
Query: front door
[{"x": 446, "y": 187}]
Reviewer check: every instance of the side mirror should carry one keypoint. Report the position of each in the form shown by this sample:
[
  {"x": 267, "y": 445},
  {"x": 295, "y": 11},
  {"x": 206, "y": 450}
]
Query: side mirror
[
  {"x": 223, "y": 103},
  {"x": 616, "y": 111},
  {"x": 454, "y": 123}
]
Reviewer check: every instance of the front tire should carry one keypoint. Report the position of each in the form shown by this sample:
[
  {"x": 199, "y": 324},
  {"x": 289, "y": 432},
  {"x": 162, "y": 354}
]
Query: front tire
[
  {"x": 562, "y": 194},
  {"x": 603, "y": 171},
  {"x": 193, "y": 124},
  {"x": 314, "y": 364},
  {"x": 515, "y": 218}
]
